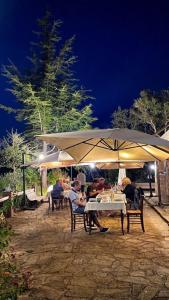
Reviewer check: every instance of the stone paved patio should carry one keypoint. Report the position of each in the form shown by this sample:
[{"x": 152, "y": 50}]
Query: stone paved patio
[{"x": 98, "y": 267}]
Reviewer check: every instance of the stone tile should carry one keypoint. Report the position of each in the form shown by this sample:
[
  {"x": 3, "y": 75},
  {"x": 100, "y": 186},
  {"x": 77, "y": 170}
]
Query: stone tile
[
  {"x": 148, "y": 293},
  {"x": 67, "y": 265}
]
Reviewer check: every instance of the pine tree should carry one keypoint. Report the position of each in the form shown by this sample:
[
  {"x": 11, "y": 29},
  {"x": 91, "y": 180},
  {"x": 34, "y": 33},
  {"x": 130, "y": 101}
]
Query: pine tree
[{"x": 49, "y": 96}]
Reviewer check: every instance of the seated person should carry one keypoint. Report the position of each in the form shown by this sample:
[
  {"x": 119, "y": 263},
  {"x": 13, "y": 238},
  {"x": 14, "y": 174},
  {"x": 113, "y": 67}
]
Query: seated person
[
  {"x": 78, "y": 205},
  {"x": 107, "y": 186},
  {"x": 65, "y": 184},
  {"x": 92, "y": 190},
  {"x": 101, "y": 183},
  {"x": 129, "y": 190},
  {"x": 57, "y": 192}
]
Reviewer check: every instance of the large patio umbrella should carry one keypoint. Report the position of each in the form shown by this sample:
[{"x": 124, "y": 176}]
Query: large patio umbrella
[
  {"x": 109, "y": 145},
  {"x": 119, "y": 165},
  {"x": 55, "y": 160}
]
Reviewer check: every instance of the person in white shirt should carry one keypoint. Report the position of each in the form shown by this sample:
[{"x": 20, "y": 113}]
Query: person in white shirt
[
  {"x": 81, "y": 177},
  {"x": 78, "y": 205}
]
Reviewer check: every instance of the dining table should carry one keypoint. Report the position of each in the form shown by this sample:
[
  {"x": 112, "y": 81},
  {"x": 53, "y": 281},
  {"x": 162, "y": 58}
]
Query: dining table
[{"x": 107, "y": 201}]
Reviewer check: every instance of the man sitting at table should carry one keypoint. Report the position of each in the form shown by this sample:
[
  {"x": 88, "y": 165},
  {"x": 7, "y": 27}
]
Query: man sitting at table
[
  {"x": 78, "y": 205},
  {"x": 92, "y": 190}
]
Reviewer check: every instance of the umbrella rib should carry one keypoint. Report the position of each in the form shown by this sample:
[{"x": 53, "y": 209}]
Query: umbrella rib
[
  {"x": 161, "y": 149},
  {"x": 133, "y": 147},
  {"x": 121, "y": 145},
  {"x": 77, "y": 144},
  {"x": 89, "y": 151},
  {"x": 92, "y": 145},
  {"x": 149, "y": 153},
  {"x": 106, "y": 144}
]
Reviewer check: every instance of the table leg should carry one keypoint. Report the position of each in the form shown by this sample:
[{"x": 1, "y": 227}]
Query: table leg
[{"x": 122, "y": 221}]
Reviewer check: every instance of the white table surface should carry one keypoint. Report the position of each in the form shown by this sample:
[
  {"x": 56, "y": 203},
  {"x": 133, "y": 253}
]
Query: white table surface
[{"x": 115, "y": 204}]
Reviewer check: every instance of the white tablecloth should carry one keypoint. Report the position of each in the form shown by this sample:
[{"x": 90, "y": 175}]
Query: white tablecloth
[{"x": 116, "y": 204}]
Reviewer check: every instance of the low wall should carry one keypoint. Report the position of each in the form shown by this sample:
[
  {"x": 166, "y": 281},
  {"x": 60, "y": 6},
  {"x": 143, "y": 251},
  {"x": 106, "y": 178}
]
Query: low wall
[{"x": 145, "y": 185}]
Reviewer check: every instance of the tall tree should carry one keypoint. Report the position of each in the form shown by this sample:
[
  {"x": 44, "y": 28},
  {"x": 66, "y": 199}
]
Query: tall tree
[
  {"x": 149, "y": 113},
  {"x": 12, "y": 148},
  {"x": 147, "y": 109},
  {"x": 49, "y": 96},
  {"x": 120, "y": 118}
]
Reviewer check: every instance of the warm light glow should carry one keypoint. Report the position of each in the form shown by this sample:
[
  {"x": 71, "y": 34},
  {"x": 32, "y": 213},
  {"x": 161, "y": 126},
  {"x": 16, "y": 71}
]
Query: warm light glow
[
  {"x": 92, "y": 165},
  {"x": 41, "y": 156},
  {"x": 126, "y": 155},
  {"x": 152, "y": 167},
  {"x": 50, "y": 188}
]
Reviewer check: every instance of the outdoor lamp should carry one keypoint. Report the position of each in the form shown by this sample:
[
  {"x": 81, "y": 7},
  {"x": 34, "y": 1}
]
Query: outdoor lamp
[
  {"x": 152, "y": 167},
  {"x": 50, "y": 188},
  {"x": 41, "y": 156}
]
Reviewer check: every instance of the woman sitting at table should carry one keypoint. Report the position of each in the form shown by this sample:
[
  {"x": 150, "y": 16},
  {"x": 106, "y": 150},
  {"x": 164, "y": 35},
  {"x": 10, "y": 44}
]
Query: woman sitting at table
[
  {"x": 78, "y": 205},
  {"x": 129, "y": 191}
]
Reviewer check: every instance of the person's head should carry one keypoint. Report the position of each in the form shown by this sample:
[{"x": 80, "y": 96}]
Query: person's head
[
  {"x": 95, "y": 183},
  {"x": 76, "y": 185},
  {"x": 101, "y": 180},
  {"x": 81, "y": 171},
  {"x": 59, "y": 181},
  {"x": 133, "y": 183},
  {"x": 126, "y": 181}
]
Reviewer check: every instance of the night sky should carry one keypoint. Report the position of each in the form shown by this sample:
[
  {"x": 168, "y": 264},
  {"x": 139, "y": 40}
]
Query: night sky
[{"x": 122, "y": 47}]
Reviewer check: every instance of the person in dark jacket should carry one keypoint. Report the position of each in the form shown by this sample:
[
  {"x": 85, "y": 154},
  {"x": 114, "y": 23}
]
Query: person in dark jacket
[{"x": 129, "y": 190}]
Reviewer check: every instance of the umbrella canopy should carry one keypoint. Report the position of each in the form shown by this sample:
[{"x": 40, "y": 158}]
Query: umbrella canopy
[
  {"x": 120, "y": 165},
  {"x": 57, "y": 159},
  {"x": 109, "y": 145}
]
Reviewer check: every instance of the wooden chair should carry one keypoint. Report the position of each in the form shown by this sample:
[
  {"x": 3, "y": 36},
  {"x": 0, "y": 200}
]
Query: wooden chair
[
  {"x": 135, "y": 216},
  {"x": 58, "y": 202},
  {"x": 77, "y": 218}
]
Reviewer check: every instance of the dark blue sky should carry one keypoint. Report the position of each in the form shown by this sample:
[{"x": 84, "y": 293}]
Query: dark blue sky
[{"x": 122, "y": 47}]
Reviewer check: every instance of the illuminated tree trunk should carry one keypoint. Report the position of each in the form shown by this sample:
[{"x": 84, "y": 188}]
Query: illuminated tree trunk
[{"x": 44, "y": 170}]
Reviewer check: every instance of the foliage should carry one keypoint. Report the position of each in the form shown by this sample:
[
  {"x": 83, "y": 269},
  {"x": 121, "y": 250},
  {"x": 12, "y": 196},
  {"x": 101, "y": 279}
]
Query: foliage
[
  {"x": 149, "y": 113},
  {"x": 50, "y": 98},
  {"x": 55, "y": 175},
  {"x": 32, "y": 177},
  {"x": 11, "y": 149},
  {"x": 120, "y": 118},
  {"x": 12, "y": 281},
  {"x": 5, "y": 234},
  {"x": 12, "y": 181}
]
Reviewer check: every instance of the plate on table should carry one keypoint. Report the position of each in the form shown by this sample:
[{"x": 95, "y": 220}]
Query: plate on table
[{"x": 92, "y": 200}]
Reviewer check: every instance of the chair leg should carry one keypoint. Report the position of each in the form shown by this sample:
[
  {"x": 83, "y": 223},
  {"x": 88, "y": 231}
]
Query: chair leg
[
  {"x": 53, "y": 205},
  {"x": 74, "y": 222},
  {"x": 128, "y": 223},
  {"x": 72, "y": 225},
  {"x": 122, "y": 221},
  {"x": 85, "y": 220},
  {"x": 142, "y": 223}
]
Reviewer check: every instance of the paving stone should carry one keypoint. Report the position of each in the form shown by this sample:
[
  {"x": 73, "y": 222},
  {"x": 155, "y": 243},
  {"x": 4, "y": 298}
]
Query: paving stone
[
  {"x": 67, "y": 265},
  {"x": 164, "y": 293},
  {"x": 148, "y": 293}
]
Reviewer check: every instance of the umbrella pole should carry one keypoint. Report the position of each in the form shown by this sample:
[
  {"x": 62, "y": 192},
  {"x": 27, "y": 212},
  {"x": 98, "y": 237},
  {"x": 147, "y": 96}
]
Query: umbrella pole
[
  {"x": 158, "y": 185},
  {"x": 23, "y": 178}
]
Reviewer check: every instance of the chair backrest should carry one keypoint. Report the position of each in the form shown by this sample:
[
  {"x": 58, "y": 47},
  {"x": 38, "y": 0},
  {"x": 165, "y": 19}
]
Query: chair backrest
[
  {"x": 70, "y": 205},
  {"x": 141, "y": 202}
]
